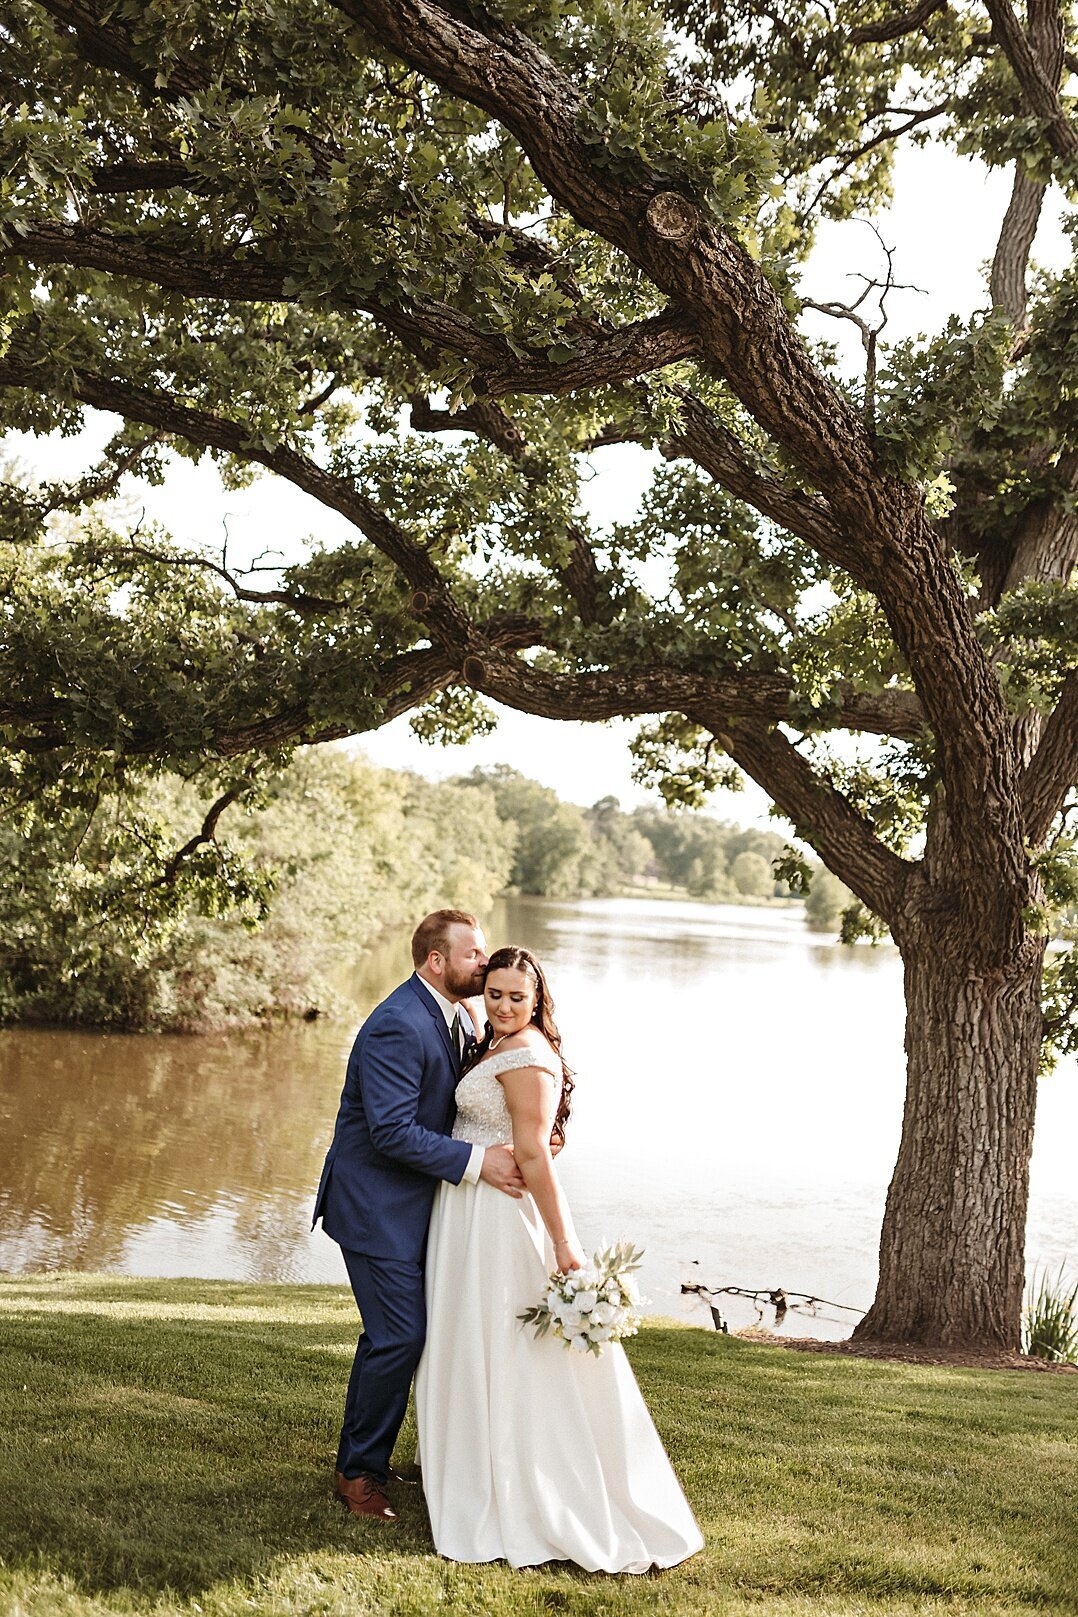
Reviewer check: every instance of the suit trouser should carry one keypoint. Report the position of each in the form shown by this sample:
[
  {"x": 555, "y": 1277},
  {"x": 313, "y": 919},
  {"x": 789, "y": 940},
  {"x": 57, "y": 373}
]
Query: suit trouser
[{"x": 393, "y": 1308}]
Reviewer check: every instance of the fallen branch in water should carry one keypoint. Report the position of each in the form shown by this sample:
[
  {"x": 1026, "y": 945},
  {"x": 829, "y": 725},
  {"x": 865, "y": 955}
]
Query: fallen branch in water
[{"x": 776, "y": 1296}]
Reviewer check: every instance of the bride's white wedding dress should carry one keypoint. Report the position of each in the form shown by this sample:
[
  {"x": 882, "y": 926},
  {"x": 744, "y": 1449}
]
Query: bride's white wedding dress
[{"x": 530, "y": 1451}]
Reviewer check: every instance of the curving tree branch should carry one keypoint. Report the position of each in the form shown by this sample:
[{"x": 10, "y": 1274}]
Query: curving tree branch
[
  {"x": 907, "y": 22},
  {"x": 206, "y": 833},
  {"x": 1039, "y": 89},
  {"x": 720, "y": 453},
  {"x": 1053, "y": 770},
  {"x": 298, "y": 601},
  {"x": 842, "y": 836},
  {"x": 603, "y": 357}
]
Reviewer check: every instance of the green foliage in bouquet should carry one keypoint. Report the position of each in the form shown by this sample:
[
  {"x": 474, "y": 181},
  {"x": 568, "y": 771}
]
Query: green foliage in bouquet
[{"x": 594, "y": 1305}]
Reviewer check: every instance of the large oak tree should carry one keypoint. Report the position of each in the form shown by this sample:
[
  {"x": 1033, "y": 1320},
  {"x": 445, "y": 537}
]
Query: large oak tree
[{"x": 314, "y": 236}]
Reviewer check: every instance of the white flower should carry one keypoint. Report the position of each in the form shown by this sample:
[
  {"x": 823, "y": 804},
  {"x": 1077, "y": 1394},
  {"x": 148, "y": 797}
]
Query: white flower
[{"x": 594, "y": 1304}]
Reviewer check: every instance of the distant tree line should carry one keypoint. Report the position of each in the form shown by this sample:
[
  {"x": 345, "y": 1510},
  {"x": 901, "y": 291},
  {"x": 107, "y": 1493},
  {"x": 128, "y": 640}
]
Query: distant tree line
[
  {"x": 104, "y": 924},
  {"x": 562, "y": 851}
]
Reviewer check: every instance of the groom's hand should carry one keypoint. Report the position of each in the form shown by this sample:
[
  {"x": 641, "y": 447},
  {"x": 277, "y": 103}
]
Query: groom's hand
[{"x": 500, "y": 1170}]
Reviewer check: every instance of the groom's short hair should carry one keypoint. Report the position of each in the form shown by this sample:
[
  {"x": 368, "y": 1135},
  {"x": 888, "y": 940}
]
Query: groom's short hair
[{"x": 433, "y": 933}]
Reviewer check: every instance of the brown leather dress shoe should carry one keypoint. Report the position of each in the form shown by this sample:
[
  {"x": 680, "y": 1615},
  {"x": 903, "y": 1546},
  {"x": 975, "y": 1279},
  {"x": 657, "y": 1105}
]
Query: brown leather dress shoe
[{"x": 364, "y": 1497}]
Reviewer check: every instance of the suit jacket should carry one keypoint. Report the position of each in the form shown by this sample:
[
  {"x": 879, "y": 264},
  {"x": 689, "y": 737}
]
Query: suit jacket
[{"x": 391, "y": 1142}]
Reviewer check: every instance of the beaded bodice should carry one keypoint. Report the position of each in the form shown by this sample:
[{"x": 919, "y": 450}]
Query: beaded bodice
[{"x": 482, "y": 1115}]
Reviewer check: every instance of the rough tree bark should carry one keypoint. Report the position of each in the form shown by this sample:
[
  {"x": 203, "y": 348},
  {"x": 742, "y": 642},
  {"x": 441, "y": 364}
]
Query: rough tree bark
[{"x": 952, "y": 1244}]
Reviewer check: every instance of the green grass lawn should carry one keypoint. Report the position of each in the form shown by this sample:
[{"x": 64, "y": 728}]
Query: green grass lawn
[{"x": 166, "y": 1446}]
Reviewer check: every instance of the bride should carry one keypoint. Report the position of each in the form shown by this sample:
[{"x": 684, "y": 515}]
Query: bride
[{"x": 529, "y": 1452}]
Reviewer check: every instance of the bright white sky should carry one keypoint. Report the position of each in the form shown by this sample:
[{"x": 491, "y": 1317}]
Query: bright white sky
[{"x": 943, "y": 224}]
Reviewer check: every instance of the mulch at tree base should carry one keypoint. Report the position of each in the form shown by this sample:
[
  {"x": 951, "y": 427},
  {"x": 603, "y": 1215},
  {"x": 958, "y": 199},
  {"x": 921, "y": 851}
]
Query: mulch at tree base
[{"x": 907, "y": 1353}]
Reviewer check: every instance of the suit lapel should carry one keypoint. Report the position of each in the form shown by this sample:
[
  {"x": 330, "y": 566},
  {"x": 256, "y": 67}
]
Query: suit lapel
[{"x": 430, "y": 1004}]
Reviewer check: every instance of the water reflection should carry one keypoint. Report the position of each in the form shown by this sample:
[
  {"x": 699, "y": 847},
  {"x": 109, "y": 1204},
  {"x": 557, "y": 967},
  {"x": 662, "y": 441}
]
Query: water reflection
[
  {"x": 737, "y": 1111},
  {"x": 109, "y": 1135}
]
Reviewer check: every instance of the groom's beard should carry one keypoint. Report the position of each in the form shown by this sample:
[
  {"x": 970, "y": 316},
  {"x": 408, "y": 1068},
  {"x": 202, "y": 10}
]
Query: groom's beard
[{"x": 464, "y": 984}]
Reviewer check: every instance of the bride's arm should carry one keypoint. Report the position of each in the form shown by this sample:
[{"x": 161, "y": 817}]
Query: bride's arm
[{"x": 531, "y": 1096}]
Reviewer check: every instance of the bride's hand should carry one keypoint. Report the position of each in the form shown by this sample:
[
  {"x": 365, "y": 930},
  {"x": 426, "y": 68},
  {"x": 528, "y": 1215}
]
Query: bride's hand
[{"x": 567, "y": 1256}]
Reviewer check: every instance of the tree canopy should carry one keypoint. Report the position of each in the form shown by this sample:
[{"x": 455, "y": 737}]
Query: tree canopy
[{"x": 316, "y": 237}]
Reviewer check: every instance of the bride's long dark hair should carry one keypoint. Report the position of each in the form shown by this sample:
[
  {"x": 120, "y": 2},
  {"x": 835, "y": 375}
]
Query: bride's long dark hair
[{"x": 514, "y": 958}]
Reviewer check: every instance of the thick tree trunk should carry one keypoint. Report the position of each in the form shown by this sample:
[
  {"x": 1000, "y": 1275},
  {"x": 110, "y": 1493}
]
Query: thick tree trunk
[{"x": 952, "y": 1245}]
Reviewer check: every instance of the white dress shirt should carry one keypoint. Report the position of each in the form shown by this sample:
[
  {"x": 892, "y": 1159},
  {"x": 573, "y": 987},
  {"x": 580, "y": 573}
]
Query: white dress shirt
[{"x": 451, "y": 1011}]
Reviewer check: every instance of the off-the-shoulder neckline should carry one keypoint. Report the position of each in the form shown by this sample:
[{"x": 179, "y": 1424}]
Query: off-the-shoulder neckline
[
  {"x": 519, "y": 1050},
  {"x": 529, "y": 1044}
]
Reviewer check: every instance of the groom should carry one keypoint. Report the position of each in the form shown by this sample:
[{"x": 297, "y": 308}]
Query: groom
[{"x": 390, "y": 1146}]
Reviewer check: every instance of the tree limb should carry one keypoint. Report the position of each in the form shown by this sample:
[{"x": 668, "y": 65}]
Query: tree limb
[
  {"x": 1039, "y": 91},
  {"x": 215, "y": 432},
  {"x": 162, "y": 174},
  {"x": 921, "y": 116},
  {"x": 843, "y": 837},
  {"x": 98, "y": 484},
  {"x": 1045, "y": 541},
  {"x": 1007, "y": 284},
  {"x": 207, "y": 833},
  {"x": 736, "y": 693},
  {"x": 721, "y": 454},
  {"x": 907, "y": 22},
  {"x": 1011, "y": 260},
  {"x": 298, "y": 601},
  {"x": 603, "y": 357},
  {"x": 1053, "y": 769},
  {"x": 483, "y": 417},
  {"x": 106, "y": 46}
]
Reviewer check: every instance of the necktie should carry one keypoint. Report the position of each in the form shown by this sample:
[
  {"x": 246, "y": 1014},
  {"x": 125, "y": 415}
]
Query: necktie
[{"x": 458, "y": 1035}]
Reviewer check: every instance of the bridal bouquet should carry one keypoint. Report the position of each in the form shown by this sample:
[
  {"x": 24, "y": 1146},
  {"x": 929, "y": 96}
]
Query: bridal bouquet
[{"x": 593, "y": 1305}]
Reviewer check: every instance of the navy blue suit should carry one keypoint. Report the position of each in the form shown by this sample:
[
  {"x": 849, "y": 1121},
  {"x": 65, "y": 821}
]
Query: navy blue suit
[{"x": 390, "y": 1147}]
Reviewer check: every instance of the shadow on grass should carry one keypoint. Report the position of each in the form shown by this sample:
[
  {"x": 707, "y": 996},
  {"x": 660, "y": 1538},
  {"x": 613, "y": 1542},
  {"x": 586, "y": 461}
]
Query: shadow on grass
[
  {"x": 172, "y": 1436},
  {"x": 171, "y": 1454}
]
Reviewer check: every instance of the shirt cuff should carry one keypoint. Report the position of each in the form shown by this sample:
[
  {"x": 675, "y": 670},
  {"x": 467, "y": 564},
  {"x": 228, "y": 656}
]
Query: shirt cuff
[{"x": 470, "y": 1176}]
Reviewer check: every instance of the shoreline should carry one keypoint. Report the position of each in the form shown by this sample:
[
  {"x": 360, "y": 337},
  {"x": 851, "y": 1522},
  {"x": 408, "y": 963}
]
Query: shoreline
[{"x": 906, "y": 1352}]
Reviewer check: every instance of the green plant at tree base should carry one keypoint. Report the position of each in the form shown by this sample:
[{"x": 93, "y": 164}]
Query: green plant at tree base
[{"x": 1050, "y": 1323}]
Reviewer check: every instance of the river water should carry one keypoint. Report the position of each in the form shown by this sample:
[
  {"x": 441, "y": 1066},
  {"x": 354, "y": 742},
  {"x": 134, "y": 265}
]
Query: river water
[{"x": 737, "y": 1113}]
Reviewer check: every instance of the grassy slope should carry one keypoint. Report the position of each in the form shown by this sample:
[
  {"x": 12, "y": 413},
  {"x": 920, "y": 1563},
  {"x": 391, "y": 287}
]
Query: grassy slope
[{"x": 165, "y": 1446}]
